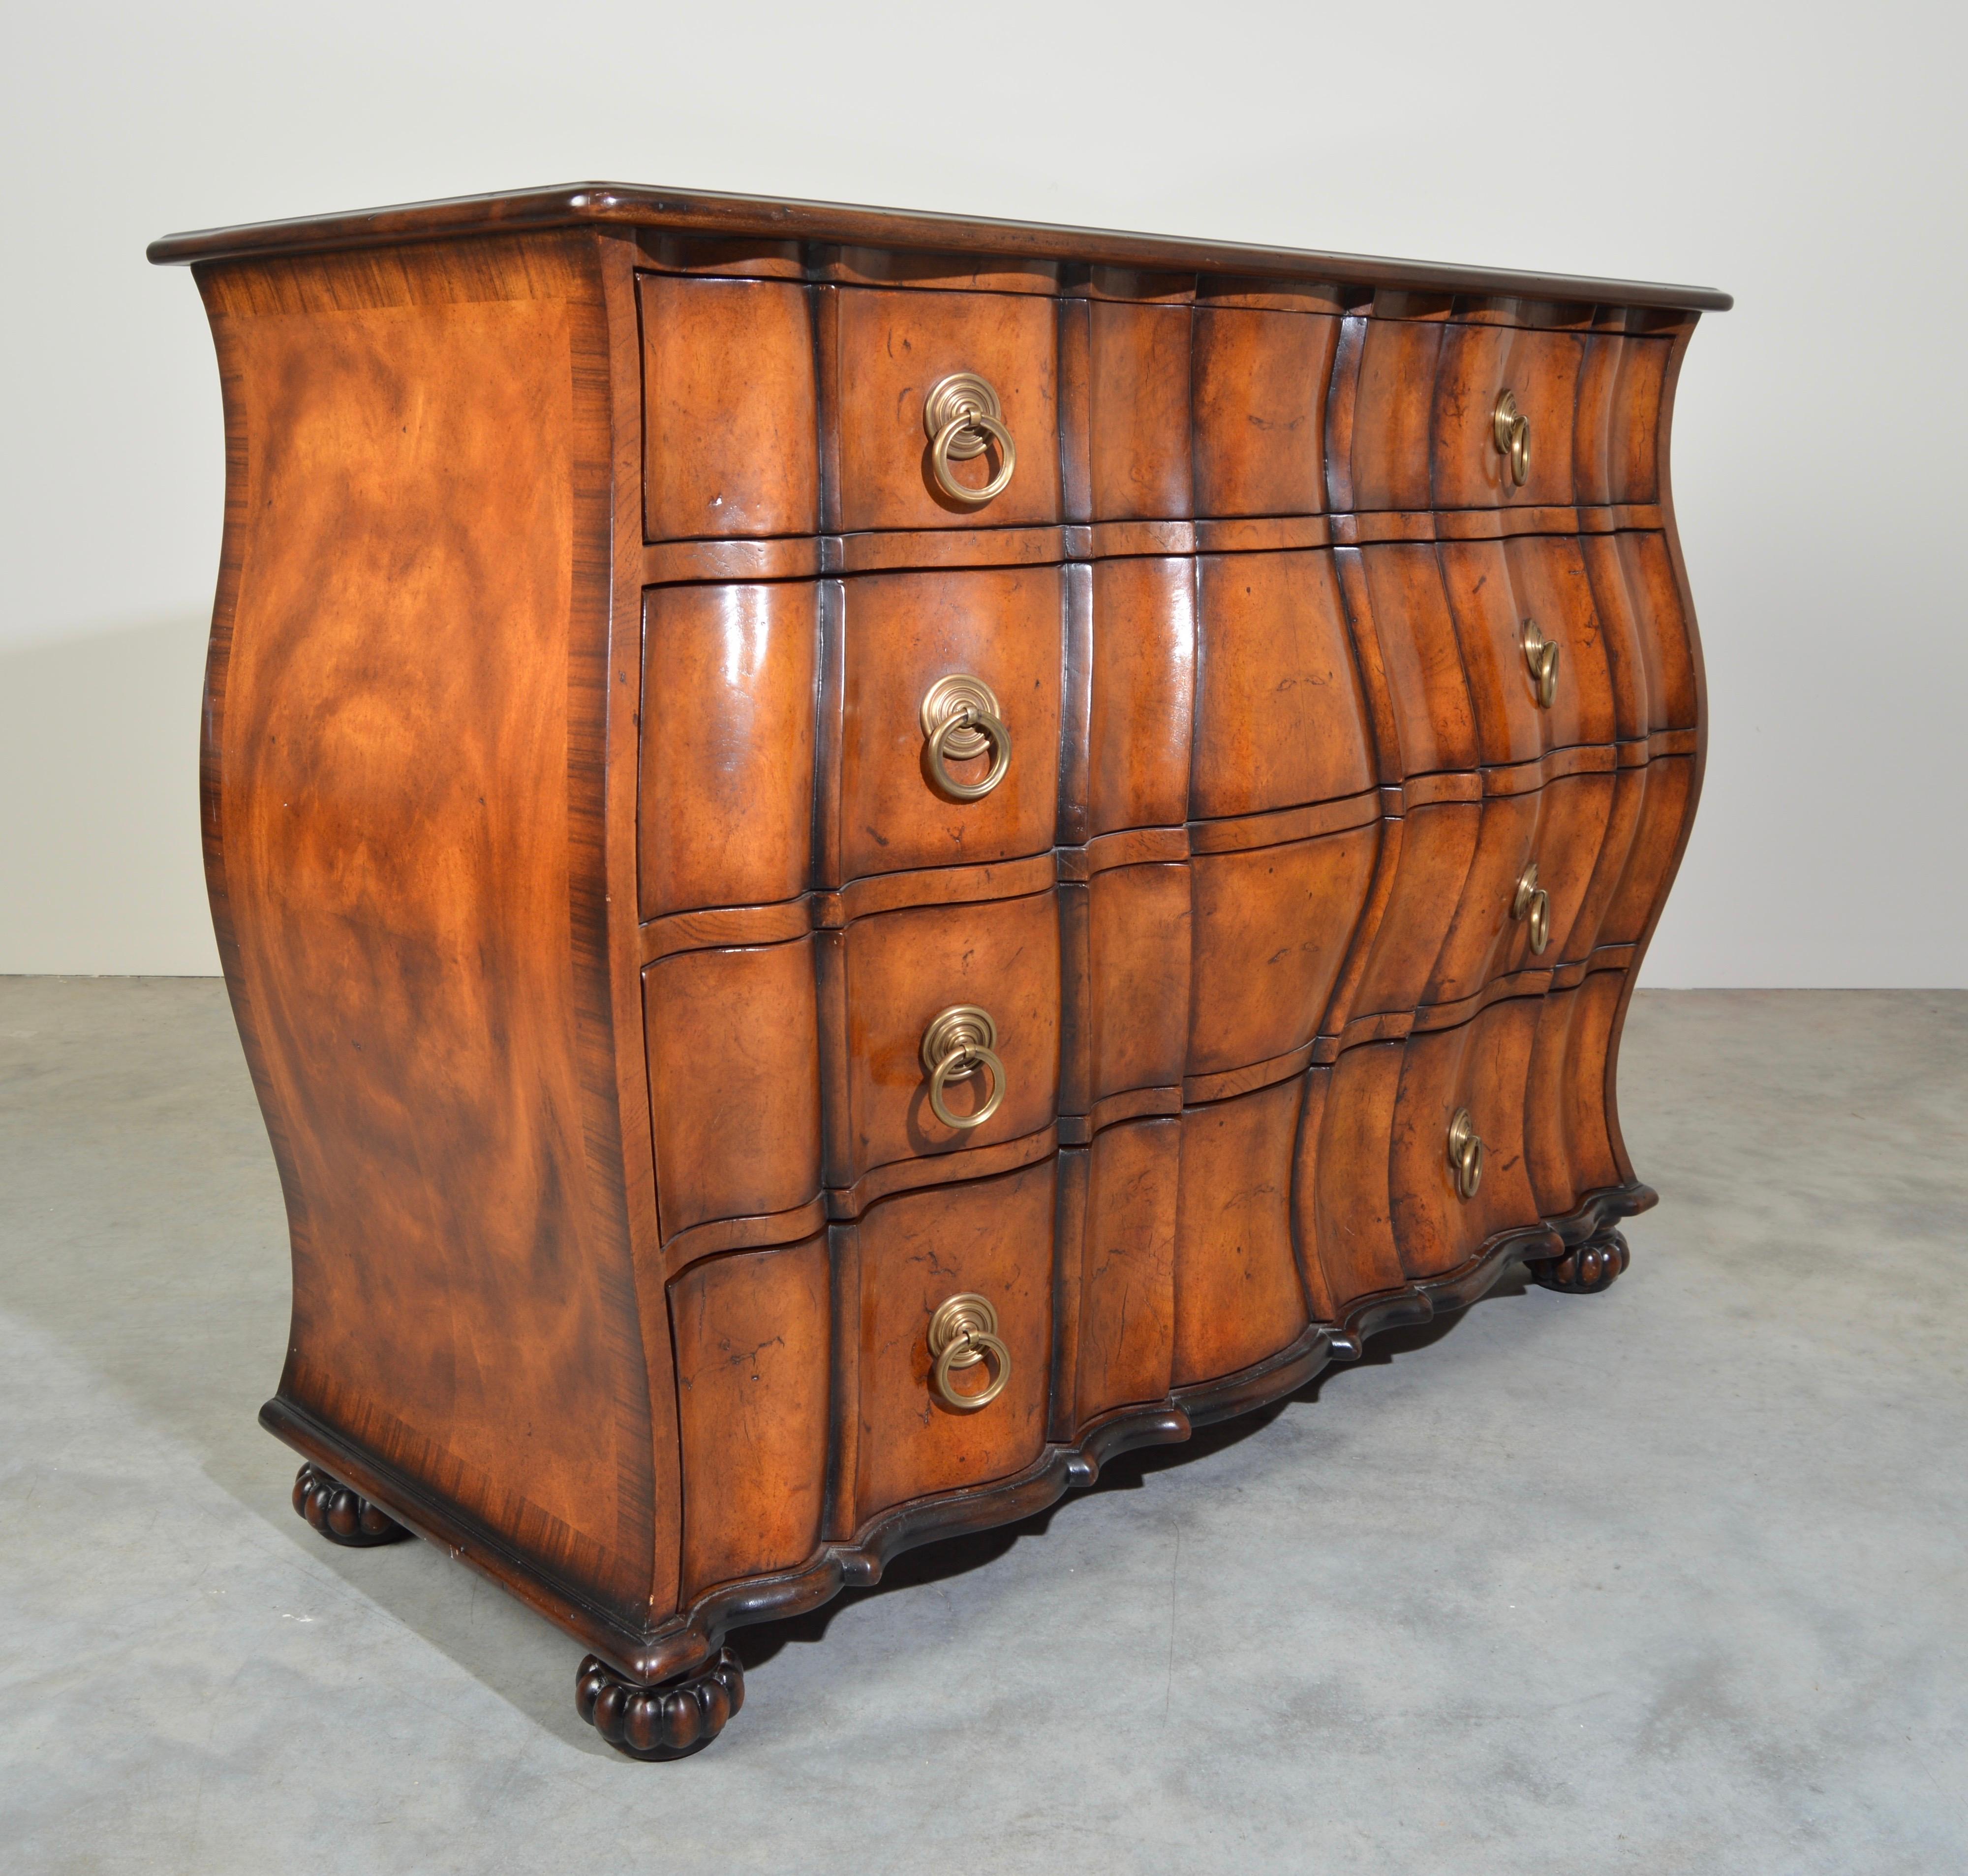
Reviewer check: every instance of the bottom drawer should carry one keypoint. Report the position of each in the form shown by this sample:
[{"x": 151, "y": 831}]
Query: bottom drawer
[
  {"x": 1380, "y": 1201},
  {"x": 990, "y": 1239},
  {"x": 767, "y": 1455},
  {"x": 1199, "y": 1246}
]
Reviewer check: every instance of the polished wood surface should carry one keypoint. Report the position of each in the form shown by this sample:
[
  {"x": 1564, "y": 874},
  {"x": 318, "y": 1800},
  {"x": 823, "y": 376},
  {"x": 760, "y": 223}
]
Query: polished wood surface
[
  {"x": 757, "y": 232},
  {"x": 586, "y": 886}
]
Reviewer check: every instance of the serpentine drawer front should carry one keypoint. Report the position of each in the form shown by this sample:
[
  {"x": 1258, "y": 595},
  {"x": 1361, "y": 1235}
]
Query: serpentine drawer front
[{"x": 864, "y": 859}]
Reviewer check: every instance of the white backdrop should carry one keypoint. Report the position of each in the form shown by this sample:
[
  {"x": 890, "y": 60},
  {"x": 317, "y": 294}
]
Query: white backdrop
[{"x": 1811, "y": 159}]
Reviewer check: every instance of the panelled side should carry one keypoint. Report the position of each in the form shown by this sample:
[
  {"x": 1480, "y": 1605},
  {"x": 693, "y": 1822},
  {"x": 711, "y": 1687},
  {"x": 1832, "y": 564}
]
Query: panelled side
[{"x": 406, "y": 804}]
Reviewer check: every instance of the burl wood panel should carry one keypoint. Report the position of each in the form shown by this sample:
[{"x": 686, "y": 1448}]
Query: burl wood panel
[
  {"x": 1663, "y": 630},
  {"x": 1280, "y": 719},
  {"x": 1261, "y": 382},
  {"x": 1616, "y": 449},
  {"x": 753, "y": 1344},
  {"x": 734, "y": 1081},
  {"x": 1344, "y": 1201},
  {"x": 902, "y": 968},
  {"x": 729, "y": 430},
  {"x": 1384, "y": 461},
  {"x": 1541, "y": 370},
  {"x": 1237, "y": 1297},
  {"x": 1414, "y": 630},
  {"x": 1568, "y": 1149},
  {"x": 889, "y": 349},
  {"x": 1482, "y": 1066},
  {"x": 1138, "y": 411},
  {"x": 1492, "y": 588},
  {"x": 1126, "y": 1274},
  {"x": 403, "y": 778},
  {"x": 1138, "y": 944},
  {"x": 725, "y": 808},
  {"x": 1142, "y": 694},
  {"x": 902, "y": 632},
  {"x": 993, "y": 1237},
  {"x": 1272, "y": 927}
]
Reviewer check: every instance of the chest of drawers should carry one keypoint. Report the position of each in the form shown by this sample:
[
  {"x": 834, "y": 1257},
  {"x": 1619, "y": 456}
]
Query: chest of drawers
[{"x": 864, "y": 859}]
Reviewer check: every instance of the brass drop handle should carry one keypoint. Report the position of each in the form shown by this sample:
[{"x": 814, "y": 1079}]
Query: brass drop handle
[
  {"x": 960, "y": 716},
  {"x": 1531, "y": 901},
  {"x": 1513, "y": 432},
  {"x": 964, "y": 418},
  {"x": 963, "y": 1332},
  {"x": 1465, "y": 1153},
  {"x": 1541, "y": 655},
  {"x": 958, "y": 1043}
]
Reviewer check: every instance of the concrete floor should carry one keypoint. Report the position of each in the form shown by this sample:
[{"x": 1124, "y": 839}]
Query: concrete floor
[{"x": 1667, "y": 1579}]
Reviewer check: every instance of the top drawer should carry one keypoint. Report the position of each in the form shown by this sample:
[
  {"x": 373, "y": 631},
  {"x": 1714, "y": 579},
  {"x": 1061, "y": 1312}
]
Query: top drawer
[
  {"x": 885, "y": 352},
  {"x": 749, "y": 386},
  {"x": 1445, "y": 415}
]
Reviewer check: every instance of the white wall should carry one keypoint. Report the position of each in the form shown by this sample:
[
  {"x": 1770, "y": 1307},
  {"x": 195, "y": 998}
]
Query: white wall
[{"x": 1810, "y": 158}]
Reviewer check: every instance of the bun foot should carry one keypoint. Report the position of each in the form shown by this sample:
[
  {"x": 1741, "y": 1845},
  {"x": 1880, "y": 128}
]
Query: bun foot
[
  {"x": 1586, "y": 1267},
  {"x": 341, "y": 1515},
  {"x": 668, "y": 1722}
]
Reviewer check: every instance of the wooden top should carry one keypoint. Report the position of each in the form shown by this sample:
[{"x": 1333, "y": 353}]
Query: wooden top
[{"x": 580, "y": 203}]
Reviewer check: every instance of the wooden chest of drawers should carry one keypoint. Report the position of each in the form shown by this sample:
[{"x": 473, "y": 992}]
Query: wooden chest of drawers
[{"x": 864, "y": 859}]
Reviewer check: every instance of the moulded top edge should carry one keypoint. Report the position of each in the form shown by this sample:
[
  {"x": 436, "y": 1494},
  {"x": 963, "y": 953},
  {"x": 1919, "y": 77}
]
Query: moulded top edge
[{"x": 760, "y": 217}]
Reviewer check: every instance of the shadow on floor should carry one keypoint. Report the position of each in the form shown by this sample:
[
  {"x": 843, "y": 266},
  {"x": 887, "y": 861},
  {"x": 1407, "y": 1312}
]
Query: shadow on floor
[{"x": 943, "y": 1558}]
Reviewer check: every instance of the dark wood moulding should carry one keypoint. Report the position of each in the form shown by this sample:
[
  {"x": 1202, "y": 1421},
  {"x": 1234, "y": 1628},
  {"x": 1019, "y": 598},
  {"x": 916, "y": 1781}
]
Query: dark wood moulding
[
  {"x": 762, "y": 218},
  {"x": 684, "y": 1642}
]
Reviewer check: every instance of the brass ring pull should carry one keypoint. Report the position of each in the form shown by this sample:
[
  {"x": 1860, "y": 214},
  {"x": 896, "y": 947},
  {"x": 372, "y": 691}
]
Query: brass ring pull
[
  {"x": 1512, "y": 429},
  {"x": 1541, "y": 655},
  {"x": 963, "y": 417},
  {"x": 958, "y": 1043},
  {"x": 959, "y": 717},
  {"x": 963, "y": 1332},
  {"x": 1531, "y": 901},
  {"x": 1465, "y": 1154}
]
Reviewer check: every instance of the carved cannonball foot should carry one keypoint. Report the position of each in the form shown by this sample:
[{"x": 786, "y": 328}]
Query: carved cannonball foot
[
  {"x": 341, "y": 1515},
  {"x": 668, "y": 1722},
  {"x": 1586, "y": 1267}
]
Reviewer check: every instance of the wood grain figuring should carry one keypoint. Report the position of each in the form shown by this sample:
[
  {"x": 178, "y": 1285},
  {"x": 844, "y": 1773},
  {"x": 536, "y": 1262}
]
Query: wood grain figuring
[
  {"x": 1633, "y": 450},
  {"x": 1271, "y": 929},
  {"x": 891, "y": 350},
  {"x": 400, "y": 832},
  {"x": 1414, "y": 629},
  {"x": 1127, "y": 1282},
  {"x": 1402, "y": 932},
  {"x": 1663, "y": 629},
  {"x": 904, "y": 632},
  {"x": 1142, "y": 688},
  {"x": 585, "y": 891},
  {"x": 904, "y": 967},
  {"x": 1665, "y": 808},
  {"x": 1390, "y": 417},
  {"x": 1138, "y": 411},
  {"x": 725, "y": 807},
  {"x": 1341, "y": 1177},
  {"x": 734, "y": 1075},
  {"x": 1280, "y": 718},
  {"x": 1261, "y": 383},
  {"x": 729, "y": 419},
  {"x": 1138, "y": 978},
  {"x": 1568, "y": 1153},
  {"x": 1541, "y": 370},
  {"x": 1238, "y": 1298},
  {"x": 752, "y": 1337},
  {"x": 1482, "y": 1067},
  {"x": 992, "y": 1238}
]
